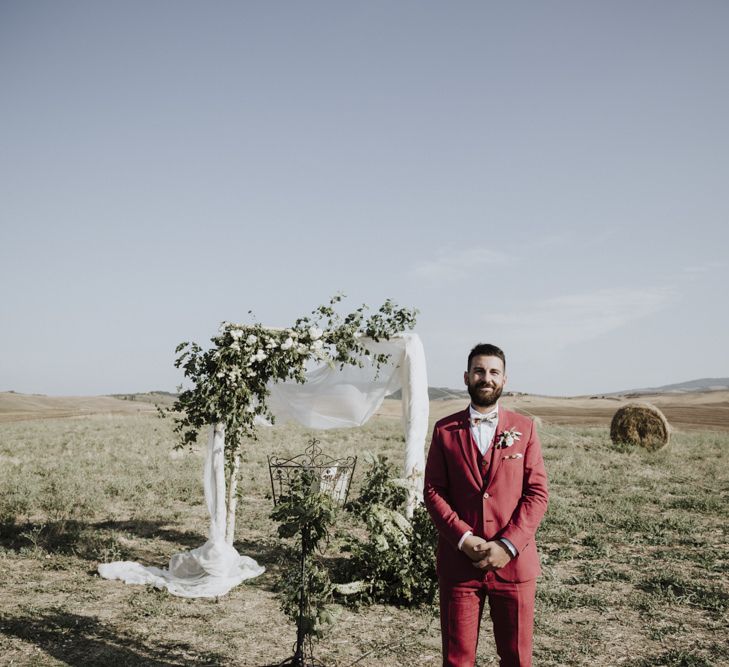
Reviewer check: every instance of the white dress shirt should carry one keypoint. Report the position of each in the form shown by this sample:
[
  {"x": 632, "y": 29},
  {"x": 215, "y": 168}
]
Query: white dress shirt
[{"x": 483, "y": 432}]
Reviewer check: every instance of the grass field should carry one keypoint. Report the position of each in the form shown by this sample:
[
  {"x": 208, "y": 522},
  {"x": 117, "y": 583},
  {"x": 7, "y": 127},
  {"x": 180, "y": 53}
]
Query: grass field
[{"x": 634, "y": 551}]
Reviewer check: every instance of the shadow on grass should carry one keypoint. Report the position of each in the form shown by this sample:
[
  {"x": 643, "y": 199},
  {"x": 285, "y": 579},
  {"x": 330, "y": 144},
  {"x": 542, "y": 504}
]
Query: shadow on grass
[
  {"x": 675, "y": 658},
  {"x": 674, "y": 588},
  {"x": 155, "y": 530},
  {"x": 84, "y": 640},
  {"x": 264, "y": 552},
  {"x": 93, "y": 541}
]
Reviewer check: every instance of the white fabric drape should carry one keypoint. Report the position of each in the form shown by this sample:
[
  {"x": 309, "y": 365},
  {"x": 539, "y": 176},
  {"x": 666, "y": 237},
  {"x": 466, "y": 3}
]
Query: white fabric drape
[
  {"x": 330, "y": 398},
  {"x": 348, "y": 397},
  {"x": 210, "y": 570}
]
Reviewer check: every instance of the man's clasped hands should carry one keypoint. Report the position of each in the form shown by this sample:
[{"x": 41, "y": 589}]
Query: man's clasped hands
[{"x": 486, "y": 555}]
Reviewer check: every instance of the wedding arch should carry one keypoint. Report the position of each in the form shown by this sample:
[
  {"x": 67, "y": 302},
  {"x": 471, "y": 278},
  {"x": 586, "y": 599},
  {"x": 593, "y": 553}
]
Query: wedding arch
[{"x": 326, "y": 371}]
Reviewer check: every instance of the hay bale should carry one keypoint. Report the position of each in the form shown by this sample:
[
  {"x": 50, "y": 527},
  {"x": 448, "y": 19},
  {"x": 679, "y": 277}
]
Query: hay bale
[{"x": 640, "y": 424}]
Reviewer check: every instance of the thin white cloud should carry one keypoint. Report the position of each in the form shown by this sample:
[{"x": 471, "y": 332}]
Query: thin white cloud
[
  {"x": 558, "y": 322},
  {"x": 707, "y": 267},
  {"x": 456, "y": 264}
]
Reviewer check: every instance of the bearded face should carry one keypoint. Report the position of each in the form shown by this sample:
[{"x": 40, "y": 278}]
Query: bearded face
[{"x": 485, "y": 380}]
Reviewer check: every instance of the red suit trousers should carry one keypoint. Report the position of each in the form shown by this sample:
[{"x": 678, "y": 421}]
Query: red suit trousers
[{"x": 511, "y": 606}]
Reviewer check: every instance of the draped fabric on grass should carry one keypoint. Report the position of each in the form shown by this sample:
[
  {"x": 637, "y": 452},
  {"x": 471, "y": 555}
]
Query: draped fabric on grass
[
  {"x": 210, "y": 570},
  {"x": 330, "y": 398}
]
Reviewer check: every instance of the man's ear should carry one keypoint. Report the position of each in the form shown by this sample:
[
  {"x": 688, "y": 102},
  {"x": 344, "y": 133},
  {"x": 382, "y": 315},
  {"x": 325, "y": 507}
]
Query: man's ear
[{"x": 465, "y": 378}]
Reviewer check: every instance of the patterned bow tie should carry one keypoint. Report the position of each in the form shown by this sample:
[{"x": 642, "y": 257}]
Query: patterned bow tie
[{"x": 490, "y": 418}]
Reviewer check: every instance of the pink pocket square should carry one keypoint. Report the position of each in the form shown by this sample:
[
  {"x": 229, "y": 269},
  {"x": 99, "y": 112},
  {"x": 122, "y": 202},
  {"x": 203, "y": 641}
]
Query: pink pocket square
[{"x": 514, "y": 456}]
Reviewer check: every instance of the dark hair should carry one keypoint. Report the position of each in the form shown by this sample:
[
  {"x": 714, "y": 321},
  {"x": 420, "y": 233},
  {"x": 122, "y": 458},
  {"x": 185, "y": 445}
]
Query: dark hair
[{"x": 488, "y": 350}]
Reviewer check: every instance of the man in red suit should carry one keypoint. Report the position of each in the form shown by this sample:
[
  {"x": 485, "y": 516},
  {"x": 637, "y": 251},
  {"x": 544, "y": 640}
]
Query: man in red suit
[{"x": 486, "y": 491}]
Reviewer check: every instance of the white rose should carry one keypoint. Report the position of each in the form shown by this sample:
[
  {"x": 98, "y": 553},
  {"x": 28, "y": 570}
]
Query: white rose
[
  {"x": 251, "y": 339},
  {"x": 235, "y": 346},
  {"x": 260, "y": 355},
  {"x": 317, "y": 345},
  {"x": 315, "y": 333},
  {"x": 287, "y": 344}
]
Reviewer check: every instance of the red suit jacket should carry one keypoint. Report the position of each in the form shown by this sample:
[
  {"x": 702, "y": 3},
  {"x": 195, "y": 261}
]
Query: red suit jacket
[{"x": 510, "y": 504}]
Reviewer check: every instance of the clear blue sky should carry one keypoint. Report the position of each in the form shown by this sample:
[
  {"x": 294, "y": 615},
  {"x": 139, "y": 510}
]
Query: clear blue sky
[{"x": 548, "y": 176}]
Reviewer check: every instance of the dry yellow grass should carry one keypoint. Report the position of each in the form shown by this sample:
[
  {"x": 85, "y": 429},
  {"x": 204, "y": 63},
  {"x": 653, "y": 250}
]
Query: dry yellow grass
[
  {"x": 19, "y": 407},
  {"x": 634, "y": 552},
  {"x": 690, "y": 411}
]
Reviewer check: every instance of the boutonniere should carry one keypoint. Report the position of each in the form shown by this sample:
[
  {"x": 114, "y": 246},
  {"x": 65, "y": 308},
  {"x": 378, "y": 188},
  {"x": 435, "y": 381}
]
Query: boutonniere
[{"x": 507, "y": 438}]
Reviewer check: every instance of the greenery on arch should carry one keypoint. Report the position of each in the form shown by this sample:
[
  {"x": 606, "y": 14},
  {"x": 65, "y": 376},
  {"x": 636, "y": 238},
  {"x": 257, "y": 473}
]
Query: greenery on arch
[{"x": 230, "y": 380}]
